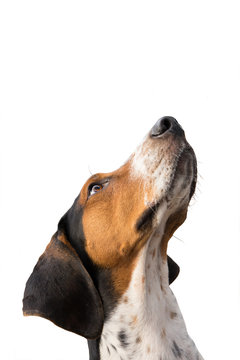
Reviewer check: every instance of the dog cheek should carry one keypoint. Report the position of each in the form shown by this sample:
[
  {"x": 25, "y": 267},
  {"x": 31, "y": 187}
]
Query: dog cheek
[{"x": 100, "y": 243}]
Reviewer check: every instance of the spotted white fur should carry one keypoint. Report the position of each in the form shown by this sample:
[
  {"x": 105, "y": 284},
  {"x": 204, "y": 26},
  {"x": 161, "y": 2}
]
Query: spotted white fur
[
  {"x": 148, "y": 314},
  {"x": 147, "y": 322},
  {"x": 156, "y": 164}
]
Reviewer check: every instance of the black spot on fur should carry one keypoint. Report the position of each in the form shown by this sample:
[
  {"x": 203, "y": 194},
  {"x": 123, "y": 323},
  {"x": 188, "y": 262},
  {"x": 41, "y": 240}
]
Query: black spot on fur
[
  {"x": 138, "y": 340},
  {"x": 123, "y": 338},
  {"x": 176, "y": 350}
]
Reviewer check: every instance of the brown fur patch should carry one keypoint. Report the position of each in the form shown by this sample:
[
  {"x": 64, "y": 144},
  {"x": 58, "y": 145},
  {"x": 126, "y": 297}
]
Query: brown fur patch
[
  {"x": 174, "y": 221},
  {"x": 138, "y": 340},
  {"x": 61, "y": 237},
  {"x": 54, "y": 251},
  {"x": 173, "y": 315},
  {"x": 109, "y": 224},
  {"x": 134, "y": 320}
]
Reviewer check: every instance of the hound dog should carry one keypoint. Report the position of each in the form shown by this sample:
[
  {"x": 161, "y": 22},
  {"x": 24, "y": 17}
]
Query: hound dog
[{"x": 105, "y": 274}]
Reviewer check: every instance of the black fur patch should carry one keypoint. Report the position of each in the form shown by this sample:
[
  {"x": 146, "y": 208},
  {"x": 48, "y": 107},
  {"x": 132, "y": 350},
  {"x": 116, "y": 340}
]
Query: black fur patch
[
  {"x": 176, "y": 350},
  {"x": 93, "y": 346},
  {"x": 71, "y": 225},
  {"x": 122, "y": 336},
  {"x": 146, "y": 218}
]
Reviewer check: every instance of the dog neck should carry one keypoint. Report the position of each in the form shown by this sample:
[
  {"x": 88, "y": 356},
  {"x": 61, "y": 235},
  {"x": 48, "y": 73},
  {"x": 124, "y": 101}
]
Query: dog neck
[{"x": 147, "y": 322}]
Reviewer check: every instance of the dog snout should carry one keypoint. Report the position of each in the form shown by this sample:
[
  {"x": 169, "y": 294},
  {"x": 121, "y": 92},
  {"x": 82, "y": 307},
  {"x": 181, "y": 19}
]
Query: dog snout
[{"x": 166, "y": 125}]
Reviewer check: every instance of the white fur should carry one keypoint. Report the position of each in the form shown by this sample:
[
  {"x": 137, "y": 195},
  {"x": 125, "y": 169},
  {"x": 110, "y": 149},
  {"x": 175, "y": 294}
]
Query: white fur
[
  {"x": 148, "y": 313},
  {"x": 156, "y": 165}
]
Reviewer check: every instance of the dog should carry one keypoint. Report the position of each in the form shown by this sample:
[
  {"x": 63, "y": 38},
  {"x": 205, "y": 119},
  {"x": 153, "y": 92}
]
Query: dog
[{"x": 105, "y": 275}]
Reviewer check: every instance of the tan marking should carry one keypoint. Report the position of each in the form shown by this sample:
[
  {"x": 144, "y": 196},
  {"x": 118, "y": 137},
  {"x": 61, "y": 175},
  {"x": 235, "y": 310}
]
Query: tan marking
[
  {"x": 62, "y": 237},
  {"x": 172, "y": 224},
  {"x": 143, "y": 279},
  {"x": 148, "y": 349},
  {"x": 109, "y": 218},
  {"x": 134, "y": 320},
  {"x": 153, "y": 253},
  {"x": 125, "y": 299},
  {"x": 52, "y": 248},
  {"x": 109, "y": 223},
  {"x": 173, "y": 315},
  {"x": 32, "y": 313},
  {"x": 122, "y": 273}
]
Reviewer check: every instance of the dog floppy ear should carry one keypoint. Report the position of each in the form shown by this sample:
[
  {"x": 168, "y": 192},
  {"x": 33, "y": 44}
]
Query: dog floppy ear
[
  {"x": 61, "y": 290},
  {"x": 173, "y": 270}
]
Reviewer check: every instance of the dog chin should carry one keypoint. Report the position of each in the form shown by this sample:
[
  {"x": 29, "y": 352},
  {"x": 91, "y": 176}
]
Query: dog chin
[{"x": 179, "y": 189}]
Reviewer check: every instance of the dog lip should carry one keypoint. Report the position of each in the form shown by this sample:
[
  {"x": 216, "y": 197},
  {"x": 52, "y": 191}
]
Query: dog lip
[{"x": 186, "y": 158}]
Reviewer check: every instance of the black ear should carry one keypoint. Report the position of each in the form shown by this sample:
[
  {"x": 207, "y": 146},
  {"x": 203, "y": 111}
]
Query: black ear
[
  {"x": 61, "y": 290},
  {"x": 173, "y": 270}
]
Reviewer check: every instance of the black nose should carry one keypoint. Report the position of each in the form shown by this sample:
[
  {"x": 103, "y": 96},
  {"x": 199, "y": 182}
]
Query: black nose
[{"x": 166, "y": 124}]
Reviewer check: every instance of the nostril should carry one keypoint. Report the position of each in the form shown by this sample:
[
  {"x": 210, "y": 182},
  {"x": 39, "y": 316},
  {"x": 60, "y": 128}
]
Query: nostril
[
  {"x": 165, "y": 125},
  {"x": 162, "y": 126}
]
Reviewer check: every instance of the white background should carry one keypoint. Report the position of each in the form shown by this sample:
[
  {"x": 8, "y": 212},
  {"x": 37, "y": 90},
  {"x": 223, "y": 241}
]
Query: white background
[{"x": 81, "y": 83}]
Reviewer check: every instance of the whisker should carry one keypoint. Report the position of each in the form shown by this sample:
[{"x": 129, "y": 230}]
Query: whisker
[
  {"x": 153, "y": 210},
  {"x": 89, "y": 170},
  {"x": 178, "y": 239}
]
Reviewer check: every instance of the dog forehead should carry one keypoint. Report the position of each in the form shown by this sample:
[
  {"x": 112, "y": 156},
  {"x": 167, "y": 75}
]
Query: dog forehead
[
  {"x": 120, "y": 175},
  {"x": 84, "y": 191}
]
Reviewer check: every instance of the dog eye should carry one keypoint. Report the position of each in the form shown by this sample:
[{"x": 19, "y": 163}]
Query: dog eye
[{"x": 93, "y": 189}]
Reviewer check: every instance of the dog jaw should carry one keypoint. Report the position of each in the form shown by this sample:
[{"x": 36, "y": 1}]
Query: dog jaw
[{"x": 167, "y": 166}]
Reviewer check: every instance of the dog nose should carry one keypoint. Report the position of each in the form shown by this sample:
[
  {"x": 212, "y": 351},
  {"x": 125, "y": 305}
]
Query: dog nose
[{"x": 164, "y": 125}]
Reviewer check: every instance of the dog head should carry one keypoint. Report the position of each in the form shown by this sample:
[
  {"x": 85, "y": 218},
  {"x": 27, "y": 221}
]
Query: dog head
[{"x": 87, "y": 266}]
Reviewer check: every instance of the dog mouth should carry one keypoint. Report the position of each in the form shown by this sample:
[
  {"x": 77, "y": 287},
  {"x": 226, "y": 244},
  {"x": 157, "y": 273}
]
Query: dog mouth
[
  {"x": 185, "y": 172},
  {"x": 179, "y": 190}
]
